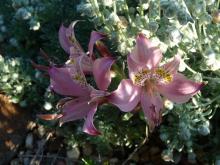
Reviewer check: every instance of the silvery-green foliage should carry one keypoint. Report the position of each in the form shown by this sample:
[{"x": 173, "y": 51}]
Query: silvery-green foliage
[
  {"x": 17, "y": 79},
  {"x": 28, "y": 10},
  {"x": 185, "y": 27}
]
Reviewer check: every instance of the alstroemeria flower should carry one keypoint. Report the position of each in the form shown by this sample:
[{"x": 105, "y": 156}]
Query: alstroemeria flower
[
  {"x": 83, "y": 99},
  {"x": 149, "y": 81},
  {"x": 69, "y": 43}
]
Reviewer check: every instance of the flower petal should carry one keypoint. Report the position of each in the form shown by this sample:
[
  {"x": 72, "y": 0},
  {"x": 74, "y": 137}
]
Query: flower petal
[
  {"x": 102, "y": 73},
  {"x": 88, "y": 125},
  {"x": 49, "y": 116},
  {"x": 103, "y": 49},
  {"x": 75, "y": 109},
  {"x": 180, "y": 90},
  {"x": 68, "y": 40},
  {"x": 126, "y": 97},
  {"x": 64, "y": 41},
  {"x": 86, "y": 64},
  {"x": 63, "y": 83},
  {"x": 172, "y": 66},
  {"x": 133, "y": 67},
  {"x": 146, "y": 52},
  {"x": 95, "y": 36},
  {"x": 152, "y": 106}
]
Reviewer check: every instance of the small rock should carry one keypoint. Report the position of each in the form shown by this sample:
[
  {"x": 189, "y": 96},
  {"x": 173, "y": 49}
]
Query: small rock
[
  {"x": 31, "y": 125},
  {"x": 73, "y": 153},
  {"x": 29, "y": 141},
  {"x": 41, "y": 131},
  {"x": 87, "y": 149}
]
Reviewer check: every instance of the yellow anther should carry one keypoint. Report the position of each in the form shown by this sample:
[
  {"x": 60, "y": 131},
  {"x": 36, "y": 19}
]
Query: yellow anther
[
  {"x": 159, "y": 74},
  {"x": 80, "y": 79}
]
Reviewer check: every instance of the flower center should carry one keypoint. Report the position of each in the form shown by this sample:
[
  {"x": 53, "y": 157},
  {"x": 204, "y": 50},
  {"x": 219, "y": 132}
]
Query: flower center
[{"x": 154, "y": 76}]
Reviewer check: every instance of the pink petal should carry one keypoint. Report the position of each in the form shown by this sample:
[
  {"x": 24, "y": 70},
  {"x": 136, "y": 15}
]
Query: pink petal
[
  {"x": 180, "y": 90},
  {"x": 68, "y": 40},
  {"x": 62, "y": 82},
  {"x": 49, "y": 116},
  {"x": 75, "y": 109},
  {"x": 145, "y": 52},
  {"x": 95, "y": 36},
  {"x": 88, "y": 125},
  {"x": 172, "y": 66},
  {"x": 86, "y": 64},
  {"x": 103, "y": 49},
  {"x": 64, "y": 41},
  {"x": 152, "y": 105},
  {"x": 133, "y": 67},
  {"x": 102, "y": 73},
  {"x": 126, "y": 97}
]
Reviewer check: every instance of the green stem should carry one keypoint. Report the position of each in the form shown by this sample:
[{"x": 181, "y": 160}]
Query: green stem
[{"x": 190, "y": 69}]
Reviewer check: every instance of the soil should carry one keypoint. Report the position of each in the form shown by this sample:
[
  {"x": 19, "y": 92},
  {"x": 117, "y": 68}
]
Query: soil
[{"x": 13, "y": 128}]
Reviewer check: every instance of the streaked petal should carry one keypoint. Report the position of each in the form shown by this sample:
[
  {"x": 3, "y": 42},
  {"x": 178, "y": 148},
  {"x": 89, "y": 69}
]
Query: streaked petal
[
  {"x": 63, "y": 39},
  {"x": 68, "y": 40},
  {"x": 103, "y": 49},
  {"x": 172, "y": 66},
  {"x": 133, "y": 67},
  {"x": 95, "y": 36},
  {"x": 86, "y": 64},
  {"x": 146, "y": 52},
  {"x": 152, "y": 106},
  {"x": 181, "y": 89},
  {"x": 62, "y": 82},
  {"x": 102, "y": 73},
  {"x": 126, "y": 96},
  {"x": 88, "y": 125},
  {"x": 49, "y": 116},
  {"x": 75, "y": 109}
]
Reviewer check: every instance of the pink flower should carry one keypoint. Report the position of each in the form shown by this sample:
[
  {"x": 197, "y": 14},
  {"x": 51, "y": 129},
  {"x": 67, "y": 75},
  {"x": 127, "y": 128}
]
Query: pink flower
[
  {"x": 83, "y": 99},
  {"x": 71, "y": 46},
  {"x": 69, "y": 80},
  {"x": 148, "y": 81}
]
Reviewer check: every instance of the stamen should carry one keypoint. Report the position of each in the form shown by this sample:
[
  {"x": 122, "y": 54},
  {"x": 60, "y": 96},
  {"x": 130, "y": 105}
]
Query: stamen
[
  {"x": 79, "y": 79},
  {"x": 159, "y": 74}
]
